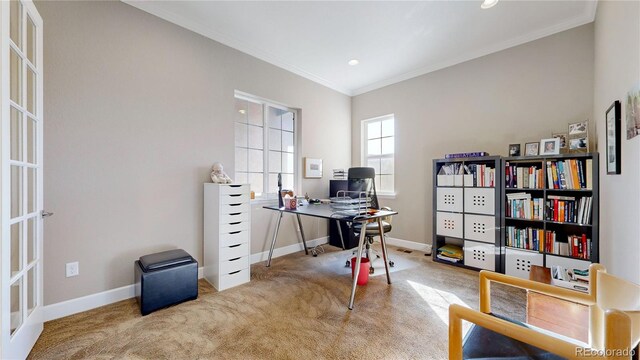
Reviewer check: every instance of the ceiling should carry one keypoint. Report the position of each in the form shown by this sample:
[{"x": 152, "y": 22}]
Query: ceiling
[{"x": 393, "y": 40}]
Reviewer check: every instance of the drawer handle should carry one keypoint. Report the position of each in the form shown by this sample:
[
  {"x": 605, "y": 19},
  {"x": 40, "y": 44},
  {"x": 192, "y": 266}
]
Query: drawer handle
[
  {"x": 235, "y": 185},
  {"x": 235, "y": 214},
  {"x": 235, "y": 204},
  {"x": 235, "y": 259},
  {"x": 234, "y": 232},
  {"x": 235, "y": 223},
  {"x": 235, "y": 272},
  {"x": 235, "y": 195},
  {"x": 234, "y": 246}
]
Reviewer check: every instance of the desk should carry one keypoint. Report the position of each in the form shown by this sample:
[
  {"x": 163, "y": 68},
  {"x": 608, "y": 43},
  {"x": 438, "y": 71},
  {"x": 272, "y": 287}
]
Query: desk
[
  {"x": 326, "y": 212},
  {"x": 560, "y": 316}
]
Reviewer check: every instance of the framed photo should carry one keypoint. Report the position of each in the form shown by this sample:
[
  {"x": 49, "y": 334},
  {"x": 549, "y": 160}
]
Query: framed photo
[
  {"x": 613, "y": 138},
  {"x": 531, "y": 149},
  {"x": 312, "y": 168},
  {"x": 633, "y": 113},
  {"x": 578, "y": 145},
  {"x": 550, "y": 146},
  {"x": 578, "y": 129},
  {"x": 563, "y": 139},
  {"x": 514, "y": 149}
]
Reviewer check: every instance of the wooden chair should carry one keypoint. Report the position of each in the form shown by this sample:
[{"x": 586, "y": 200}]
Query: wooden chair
[{"x": 614, "y": 322}]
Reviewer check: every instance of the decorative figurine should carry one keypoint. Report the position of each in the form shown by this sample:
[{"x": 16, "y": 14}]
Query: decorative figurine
[{"x": 218, "y": 175}]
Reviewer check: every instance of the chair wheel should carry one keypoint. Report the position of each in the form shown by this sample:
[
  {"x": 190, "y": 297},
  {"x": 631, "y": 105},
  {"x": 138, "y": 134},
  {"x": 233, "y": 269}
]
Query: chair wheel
[
  {"x": 315, "y": 255},
  {"x": 391, "y": 263},
  {"x": 371, "y": 270},
  {"x": 347, "y": 264},
  {"x": 377, "y": 256}
]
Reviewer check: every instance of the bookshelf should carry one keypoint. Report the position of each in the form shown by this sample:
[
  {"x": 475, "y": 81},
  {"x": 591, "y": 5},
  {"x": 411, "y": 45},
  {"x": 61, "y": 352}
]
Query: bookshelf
[
  {"x": 552, "y": 201},
  {"x": 467, "y": 211}
]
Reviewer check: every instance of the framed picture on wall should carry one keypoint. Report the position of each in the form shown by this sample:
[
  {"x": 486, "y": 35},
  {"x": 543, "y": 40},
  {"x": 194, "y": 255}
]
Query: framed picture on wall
[
  {"x": 312, "y": 168},
  {"x": 612, "y": 117}
]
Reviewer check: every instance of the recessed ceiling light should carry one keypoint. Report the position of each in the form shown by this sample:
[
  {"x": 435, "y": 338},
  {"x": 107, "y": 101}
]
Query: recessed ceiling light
[
  {"x": 242, "y": 111},
  {"x": 488, "y": 4},
  {"x": 354, "y": 62}
]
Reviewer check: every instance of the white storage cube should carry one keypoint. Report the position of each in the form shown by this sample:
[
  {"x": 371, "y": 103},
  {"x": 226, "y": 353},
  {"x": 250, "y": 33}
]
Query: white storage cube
[
  {"x": 480, "y": 228},
  {"x": 567, "y": 263},
  {"x": 480, "y": 255},
  {"x": 468, "y": 180},
  {"x": 445, "y": 180},
  {"x": 458, "y": 180},
  {"x": 449, "y": 199},
  {"x": 479, "y": 200},
  {"x": 518, "y": 263},
  {"x": 449, "y": 224}
]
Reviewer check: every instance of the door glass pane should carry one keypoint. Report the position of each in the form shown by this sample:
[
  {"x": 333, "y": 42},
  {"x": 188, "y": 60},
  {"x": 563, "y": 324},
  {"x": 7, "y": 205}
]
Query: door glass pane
[
  {"x": 16, "y": 236},
  {"x": 241, "y": 159},
  {"x": 31, "y": 240},
  {"x": 275, "y": 139},
  {"x": 255, "y": 161},
  {"x": 386, "y": 166},
  {"x": 31, "y": 190},
  {"x": 15, "y": 13},
  {"x": 275, "y": 163},
  {"x": 287, "y": 121},
  {"x": 255, "y": 114},
  {"x": 31, "y": 41},
  {"x": 16, "y": 134},
  {"x": 387, "y": 128},
  {"x": 287, "y": 181},
  {"x": 31, "y": 91},
  {"x": 241, "y": 135},
  {"x": 274, "y": 118},
  {"x": 31, "y": 140},
  {"x": 242, "y": 178},
  {"x": 373, "y": 130},
  {"x": 374, "y": 163},
  {"x": 387, "y": 145},
  {"x": 287, "y": 163},
  {"x": 16, "y": 191},
  {"x": 16, "y": 305},
  {"x": 373, "y": 147},
  {"x": 241, "y": 113},
  {"x": 386, "y": 183},
  {"x": 15, "y": 64},
  {"x": 273, "y": 184},
  {"x": 256, "y": 137},
  {"x": 32, "y": 299},
  {"x": 256, "y": 181},
  {"x": 287, "y": 141}
]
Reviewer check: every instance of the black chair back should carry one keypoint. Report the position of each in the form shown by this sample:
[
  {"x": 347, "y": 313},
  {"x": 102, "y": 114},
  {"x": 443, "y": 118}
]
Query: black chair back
[{"x": 363, "y": 179}]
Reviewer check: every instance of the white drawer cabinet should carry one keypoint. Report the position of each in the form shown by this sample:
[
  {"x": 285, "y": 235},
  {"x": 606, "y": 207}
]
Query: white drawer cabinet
[
  {"x": 227, "y": 235},
  {"x": 479, "y": 255},
  {"x": 449, "y": 224},
  {"x": 479, "y": 201},
  {"x": 480, "y": 228},
  {"x": 449, "y": 199},
  {"x": 518, "y": 262}
]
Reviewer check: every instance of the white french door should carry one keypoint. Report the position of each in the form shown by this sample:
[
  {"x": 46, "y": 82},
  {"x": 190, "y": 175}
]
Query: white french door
[{"x": 21, "y": 169}]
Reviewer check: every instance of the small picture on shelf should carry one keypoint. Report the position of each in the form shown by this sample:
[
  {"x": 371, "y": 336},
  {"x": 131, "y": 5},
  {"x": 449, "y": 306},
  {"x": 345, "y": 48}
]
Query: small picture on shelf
[
  {"x": 578, "y": 129},
  {"x": 531, "y": 149},
  {"x": 578, "y": 145},
  {"x": 563, "y": 139},
  {"x": 550, "y": 146},
  {"x": 514, "y": 149}
]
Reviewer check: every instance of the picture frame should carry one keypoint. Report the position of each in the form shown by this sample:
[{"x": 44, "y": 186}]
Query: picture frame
[
  {"x": 531, "y": 149},
  {"x": 579, "y": 144},
  {"x": 578, "y": 137},
  {"x": 612, "y": 128},
  {"x": 578, "y": 129},
  {"x": 633, "y": 113},
  {"x": 312, "y": 168},
  {"x": 514, "y": 149},
  {"x": 563, "y": 140},
  {"x": 550, "y": 146}
]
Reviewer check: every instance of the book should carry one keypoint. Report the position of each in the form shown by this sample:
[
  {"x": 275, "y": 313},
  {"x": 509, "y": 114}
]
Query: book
[
  {"x": 466, "y": 155},
  {"x": 589, "y": 171}
]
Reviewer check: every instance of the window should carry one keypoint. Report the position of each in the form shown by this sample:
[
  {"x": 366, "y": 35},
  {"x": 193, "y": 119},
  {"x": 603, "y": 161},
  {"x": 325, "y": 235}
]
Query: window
[
  {"x": 378, "y": 149},
  {"x": 265, "y": 145}
]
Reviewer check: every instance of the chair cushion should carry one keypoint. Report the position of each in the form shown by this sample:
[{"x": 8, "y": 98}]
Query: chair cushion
[
  {"x": 372, "y": 228},
  {"x": 481, "y": 343}
]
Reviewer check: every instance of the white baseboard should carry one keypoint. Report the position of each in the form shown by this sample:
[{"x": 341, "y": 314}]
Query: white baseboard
[
  {"x": 408, "y": 244},
  {"x": 84, "y": 303}
]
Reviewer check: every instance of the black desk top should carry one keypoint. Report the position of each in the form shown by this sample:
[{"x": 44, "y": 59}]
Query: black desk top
[{"x": 327, "y": 212}]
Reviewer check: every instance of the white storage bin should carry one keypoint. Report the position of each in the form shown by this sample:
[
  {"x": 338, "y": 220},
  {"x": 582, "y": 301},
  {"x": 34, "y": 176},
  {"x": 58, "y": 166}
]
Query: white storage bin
[
  {"x": 479, "y": 255},
  {"x": 567, "y": 263},
  {"x": 480, "y": 228},
  {"x": 468, "y": 180},
  {"x": 445, "y": 180},
  {"x": 479, "y": 200},
  {"x": 518, "y": 263},
  {"x": 449, "y": 224},
  {"x": 449, "y": 199},
  {"x": 458, "y": 180}
]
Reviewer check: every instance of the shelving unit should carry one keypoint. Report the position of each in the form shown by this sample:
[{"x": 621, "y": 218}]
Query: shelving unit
[
  {"x": 468, "y": 216},
  {"x": 517, "y": 261}
]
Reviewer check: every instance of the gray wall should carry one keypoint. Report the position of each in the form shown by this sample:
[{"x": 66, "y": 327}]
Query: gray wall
[
  {"x": 518, "y": 95},
  {"x": 617, "y": 70},
  {"x": 136, "y": 111}
]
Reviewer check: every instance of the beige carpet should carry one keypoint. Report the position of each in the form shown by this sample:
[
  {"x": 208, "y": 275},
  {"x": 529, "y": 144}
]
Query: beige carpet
[{"x": 297, "y": 309}]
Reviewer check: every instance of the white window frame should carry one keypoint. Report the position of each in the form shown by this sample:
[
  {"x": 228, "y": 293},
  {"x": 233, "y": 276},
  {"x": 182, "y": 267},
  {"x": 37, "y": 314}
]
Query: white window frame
[
  {"x": 364, "y": 155},
  {"x": 269, "y": 196}
]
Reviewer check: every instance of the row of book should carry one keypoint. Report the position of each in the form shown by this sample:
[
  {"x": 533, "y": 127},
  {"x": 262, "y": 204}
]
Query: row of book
[
  {"x": 577, "y": 246},
  {"x": 570, "y": 174},
  {"x": 522, "y": 206},
  {"x": 569, "y": 209},
  {"x": 523, "y": 177},
  {"x": 483, "y": 175},
  {"x": 528, "y": 238}
]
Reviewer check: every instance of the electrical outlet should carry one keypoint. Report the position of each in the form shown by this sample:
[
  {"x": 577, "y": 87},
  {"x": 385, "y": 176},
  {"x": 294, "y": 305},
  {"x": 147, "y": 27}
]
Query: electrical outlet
[{"x": 73, "y": 269}]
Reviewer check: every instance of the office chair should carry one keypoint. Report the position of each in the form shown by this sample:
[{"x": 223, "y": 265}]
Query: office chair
[
  {"x": 363, "y": 179},
  {"x": 614, "y": 324}
]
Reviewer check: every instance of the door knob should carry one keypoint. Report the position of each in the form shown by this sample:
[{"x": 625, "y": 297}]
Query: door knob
[{"x": 45, "y": 214}]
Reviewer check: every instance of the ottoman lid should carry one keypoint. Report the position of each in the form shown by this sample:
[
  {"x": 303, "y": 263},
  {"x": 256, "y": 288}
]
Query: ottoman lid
[{"x": 165, "y": 259}]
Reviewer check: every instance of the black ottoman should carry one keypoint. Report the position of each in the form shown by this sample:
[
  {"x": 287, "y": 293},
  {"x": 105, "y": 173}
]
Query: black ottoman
[{"x": 164, "y": 279}]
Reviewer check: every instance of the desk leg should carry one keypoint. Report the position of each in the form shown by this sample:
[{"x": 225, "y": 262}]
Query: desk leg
[
  {"x": 304, "y": 242},
  {"x": 384, "y": 250},
  {"x": 275, "y": 236},
  {"x": 340, "y": 232},
  {"x": 357, "y": 268}
]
